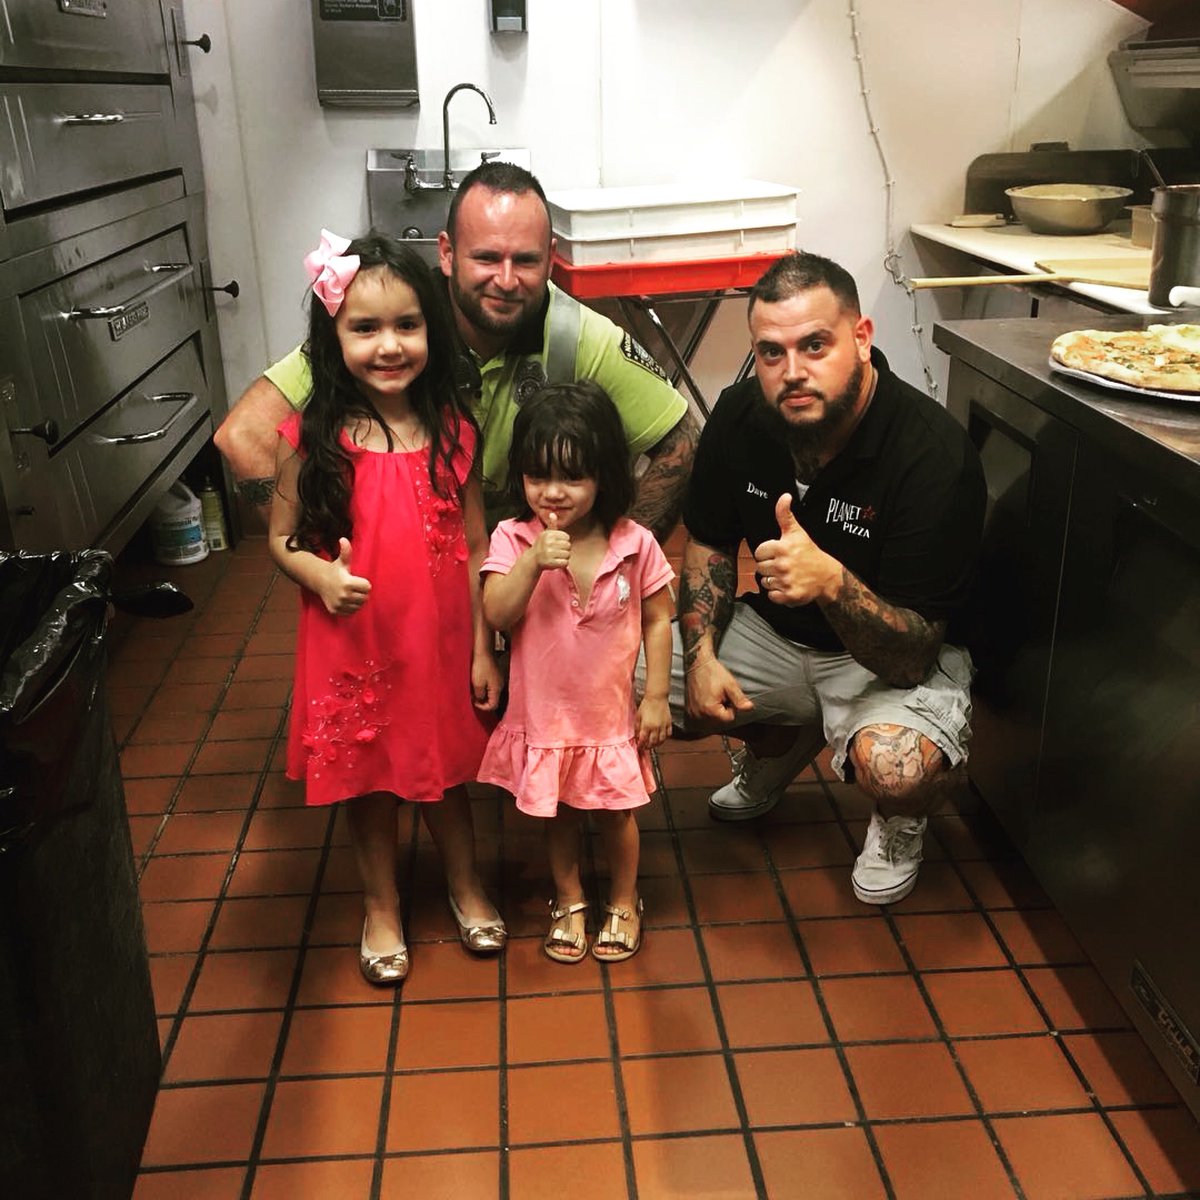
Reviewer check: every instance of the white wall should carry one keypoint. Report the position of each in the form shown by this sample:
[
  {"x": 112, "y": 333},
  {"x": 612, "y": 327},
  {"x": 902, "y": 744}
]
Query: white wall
[{"x": 646, "y": 91}]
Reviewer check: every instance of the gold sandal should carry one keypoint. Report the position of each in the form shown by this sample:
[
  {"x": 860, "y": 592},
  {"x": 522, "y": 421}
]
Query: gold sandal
[
  {"x": 560, "y": 940},
  {"x": 618, "y": 931}
]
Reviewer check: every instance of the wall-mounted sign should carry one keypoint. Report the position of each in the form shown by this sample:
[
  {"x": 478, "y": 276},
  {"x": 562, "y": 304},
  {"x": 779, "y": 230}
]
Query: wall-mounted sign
[{"x": 364, "y": 10}]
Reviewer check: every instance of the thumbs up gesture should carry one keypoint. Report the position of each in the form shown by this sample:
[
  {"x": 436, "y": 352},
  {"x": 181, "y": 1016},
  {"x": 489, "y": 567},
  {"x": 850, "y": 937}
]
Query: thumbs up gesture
[
  {"x": 552, "y": 549},
  {"x": 793, "y": 568},
  {"x": 341, "y": 591}
]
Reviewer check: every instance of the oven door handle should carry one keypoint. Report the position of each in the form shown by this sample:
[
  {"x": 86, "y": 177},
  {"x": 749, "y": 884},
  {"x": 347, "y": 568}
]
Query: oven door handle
[
  {"x": 94, "y": 119},
  {"x": 175, "y": 273},
  {"x": 151, "y": 435}
]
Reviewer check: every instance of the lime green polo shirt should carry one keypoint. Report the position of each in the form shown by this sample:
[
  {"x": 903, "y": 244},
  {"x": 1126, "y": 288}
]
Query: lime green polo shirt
[{"x": 649, "y": 406}]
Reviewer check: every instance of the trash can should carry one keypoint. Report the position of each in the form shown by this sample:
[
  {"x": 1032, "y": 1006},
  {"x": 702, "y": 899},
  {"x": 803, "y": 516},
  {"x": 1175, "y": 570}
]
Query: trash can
[{"x": 79, "y": 1054}]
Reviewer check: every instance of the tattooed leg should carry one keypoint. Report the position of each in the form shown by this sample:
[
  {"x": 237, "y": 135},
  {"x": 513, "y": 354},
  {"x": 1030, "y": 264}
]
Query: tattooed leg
[{"x": 903, "y": 771}]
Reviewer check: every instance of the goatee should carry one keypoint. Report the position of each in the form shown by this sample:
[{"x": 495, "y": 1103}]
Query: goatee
[{"x": 808, "y": 442}]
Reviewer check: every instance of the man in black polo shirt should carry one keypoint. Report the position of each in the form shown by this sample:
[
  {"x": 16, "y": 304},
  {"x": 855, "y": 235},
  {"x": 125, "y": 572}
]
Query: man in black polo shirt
[{"x": 863, "y": 503}]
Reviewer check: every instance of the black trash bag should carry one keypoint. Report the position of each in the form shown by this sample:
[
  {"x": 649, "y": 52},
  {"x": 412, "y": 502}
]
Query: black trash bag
[{"x": 53, "y": 612}]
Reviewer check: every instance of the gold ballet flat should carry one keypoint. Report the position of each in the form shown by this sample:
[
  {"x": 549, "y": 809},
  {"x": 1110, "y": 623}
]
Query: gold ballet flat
[
  {"x": 385, "y": 970},
  {"x": 488, "y": 937}
]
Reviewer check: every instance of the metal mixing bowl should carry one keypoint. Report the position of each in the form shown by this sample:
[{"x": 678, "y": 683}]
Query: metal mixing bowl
[{"x": 1067, "y": 208}]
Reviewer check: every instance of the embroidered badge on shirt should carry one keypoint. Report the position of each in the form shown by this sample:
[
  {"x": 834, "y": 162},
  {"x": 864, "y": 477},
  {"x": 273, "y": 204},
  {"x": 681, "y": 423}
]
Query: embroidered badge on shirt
[
  {"x": 622, "y": 590},
  {"x": 632, "y": 349},
  {"x": 530, "y": 377}
]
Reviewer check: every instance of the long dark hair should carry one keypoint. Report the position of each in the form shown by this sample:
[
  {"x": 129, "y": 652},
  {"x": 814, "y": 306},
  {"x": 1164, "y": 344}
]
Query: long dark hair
[
  {"x": 327, "y": 467},
  {"x": 575, "y": 428}
]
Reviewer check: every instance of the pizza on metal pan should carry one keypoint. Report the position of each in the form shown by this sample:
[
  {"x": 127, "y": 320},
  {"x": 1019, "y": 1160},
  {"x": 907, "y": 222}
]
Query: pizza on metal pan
[{"x": 1163, "y": 357}]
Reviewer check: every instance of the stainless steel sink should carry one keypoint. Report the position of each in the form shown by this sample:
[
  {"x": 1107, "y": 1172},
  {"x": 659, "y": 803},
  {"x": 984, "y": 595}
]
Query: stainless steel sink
[{"x": 406, "y": 192}]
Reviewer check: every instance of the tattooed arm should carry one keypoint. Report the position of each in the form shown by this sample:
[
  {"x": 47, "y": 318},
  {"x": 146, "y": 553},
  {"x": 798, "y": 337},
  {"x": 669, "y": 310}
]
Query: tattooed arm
[
  {"x": 660, "y": 489},
  {"x": 247, "y": 439},
  {"x": 897, "y": 644},
  {"x": 706, "y": 594}
]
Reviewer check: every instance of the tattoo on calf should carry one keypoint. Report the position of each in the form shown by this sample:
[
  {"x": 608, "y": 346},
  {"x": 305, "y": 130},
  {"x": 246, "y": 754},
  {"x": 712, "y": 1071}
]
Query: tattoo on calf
[{"x": 256, "y": 491}]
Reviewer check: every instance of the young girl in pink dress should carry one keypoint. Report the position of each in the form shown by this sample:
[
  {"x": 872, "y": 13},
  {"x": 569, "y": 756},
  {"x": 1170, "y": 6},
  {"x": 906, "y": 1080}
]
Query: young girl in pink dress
[
  {"x": 378, "y": 516},
  {"x": 579, "y": 586}
]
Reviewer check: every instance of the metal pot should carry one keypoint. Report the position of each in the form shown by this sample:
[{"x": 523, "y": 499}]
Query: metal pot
[{"x": 1067, "y": 208}]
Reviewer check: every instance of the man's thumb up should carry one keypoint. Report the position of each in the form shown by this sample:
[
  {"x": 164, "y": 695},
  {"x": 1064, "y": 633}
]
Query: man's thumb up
[
  {"x": 344, "y": 552},
  {"x": 784, "y": 515}
]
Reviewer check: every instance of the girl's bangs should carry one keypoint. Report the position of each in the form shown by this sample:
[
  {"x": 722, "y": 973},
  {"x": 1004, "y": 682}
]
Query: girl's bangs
[{"x": 556, "y": 451}]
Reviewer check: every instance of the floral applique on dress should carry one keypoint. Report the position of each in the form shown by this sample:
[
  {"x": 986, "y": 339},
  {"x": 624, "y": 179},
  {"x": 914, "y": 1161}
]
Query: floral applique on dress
[
  {"x": 349, "y": 717},
  {"x": 442, "y": 518}
]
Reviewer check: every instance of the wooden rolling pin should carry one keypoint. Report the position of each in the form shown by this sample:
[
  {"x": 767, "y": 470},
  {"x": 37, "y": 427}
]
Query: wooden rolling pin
[
  {"x": 1117, "y": 272},
  {"x": 992, "y": 280}
]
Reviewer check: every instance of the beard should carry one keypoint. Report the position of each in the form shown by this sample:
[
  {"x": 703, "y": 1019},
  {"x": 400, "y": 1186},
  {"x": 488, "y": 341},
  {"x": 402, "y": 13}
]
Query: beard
[
  {"x": 808, "y": 440},
  {"x": 471, "y": 306}
]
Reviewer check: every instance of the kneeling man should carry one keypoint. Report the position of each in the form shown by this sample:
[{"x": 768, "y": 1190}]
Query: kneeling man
[{"x": 863, "y": 503}]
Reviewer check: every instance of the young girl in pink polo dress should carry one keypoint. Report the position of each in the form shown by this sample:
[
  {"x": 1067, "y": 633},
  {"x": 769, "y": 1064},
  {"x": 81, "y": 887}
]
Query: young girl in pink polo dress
[{"x": 579, "y": 587}]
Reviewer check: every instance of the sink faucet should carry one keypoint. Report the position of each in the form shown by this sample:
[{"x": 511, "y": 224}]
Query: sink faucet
[{"x": 447, "y": 175}]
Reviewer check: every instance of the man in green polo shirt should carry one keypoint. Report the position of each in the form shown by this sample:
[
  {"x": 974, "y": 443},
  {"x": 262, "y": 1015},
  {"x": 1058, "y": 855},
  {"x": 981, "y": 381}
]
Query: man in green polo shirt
[{"x": 517, "y": 330}]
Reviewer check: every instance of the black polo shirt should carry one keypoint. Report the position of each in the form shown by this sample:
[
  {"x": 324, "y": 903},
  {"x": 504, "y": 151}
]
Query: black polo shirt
[{"x": 901, "y": 506}]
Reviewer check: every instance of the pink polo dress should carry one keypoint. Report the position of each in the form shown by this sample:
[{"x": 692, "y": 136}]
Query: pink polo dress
[{"x": 568, "y": 734}]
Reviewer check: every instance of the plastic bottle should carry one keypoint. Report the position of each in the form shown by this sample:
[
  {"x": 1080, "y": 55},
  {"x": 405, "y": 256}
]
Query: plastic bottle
[
  {"x": 176, "y": 527},
  {"x": 213, "y": 516}
]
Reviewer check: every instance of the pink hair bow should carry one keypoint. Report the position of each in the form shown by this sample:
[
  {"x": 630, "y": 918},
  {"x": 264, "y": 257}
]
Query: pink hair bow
[{"x": 331, "y": 270}]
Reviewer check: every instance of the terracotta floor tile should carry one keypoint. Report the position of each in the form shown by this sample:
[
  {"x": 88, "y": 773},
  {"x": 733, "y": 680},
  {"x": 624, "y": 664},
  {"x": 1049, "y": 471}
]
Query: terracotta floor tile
[
  {"x": 885, "y": 1076},
  {"x": 656, "y": 857},
  {"x": 689, "y": 806},
  {"x": 203, "y": 1124},
  {"x": 939, "y": 889},
  {"x": 288, "y": 829},
  {"x": 665, "y": 902},
  {"x": 794, "y": 1087},
  {"x": 1038, "y": 937},
  {"x": 170, "y": 727},
  {"x": 244, "y": 723},
  {"x": 1120, "y": 1069},
  {"x": 678, "y": 1095},
  {"x": 665, "y": 1021},
  {"x": 528, "y": 971},
  {"x": 202, "y": 832},
  {"x": 280, "y": 792},
  {"x": 881, "y": 1008},
  {"x": 259, "y": 921},
  {"x": 187, "y": 698},
  {"x": 349, "y": 1178},
  {"x": 1068, "y": 1155},
  {"x": 1165, "y": 1143},
  {"x": 562, "y": 1102},
  {"x": 445, "y": 1110},
  {"x": 212, "y": 645},
  {"x": 448, "y": 972},
  {"x": 173, "y": 928},
  {"x": 976, "y": 836},
  {"x": 555, "y": 1028},
  {"x": 334, "y": 1041},
  {"x": 439, "y": 1036},
  {"x": 269, "y": 641},
  {"x": 475, "y": 1174},
  {"x": 338, "y": 920},
  {"x": 690, "y": 1167},
  {"x": 595, "y": 1172},
  {"x": 1076, "y": 998},
  {"x": 129, "y": 700},
  {"x": 265, "y": 693},
  {"x": 849, "y": 947},
  {"x": 940, "y": 1160},
  {"x": 142, "y": 831},
  {"x": 216, "y": 792},
  {"x": 771, "y": 1014},
  {"x": 244, "y": 979},
  {"x": 274, "y": 872},
  {"x": 1024, "y": 1074},
  {"x": 197, "y": 670},
  {"x": 225, "y": 1046},
  {"x": 950, "y": 940},
  {"x": 813, "y": 844},
  {"x": 706, "y": 769},
  {"x": 669, "y": 956},
  {"x": 764, "y": 951},
  {"x": 168, "y": 977},
  {"x": 714, "y": 850},
  {"x": 163, "y": 758},
  {"x": 821, "y": 892},
  {"x": 213, "y": 1183},
  {"x": 319, "y": 1117},
  {"x": 750, "y": 897},
  {"x": 223, "y": 758},
  {"x": 149, "y": 795},
  {"x": 265, "y": 666},
  {"x": 1004, "y": 884},
  {"x": 973, "y": 1003},
  {"x": 819, "y": 1164},
  {"x": 332, "y": 976}
]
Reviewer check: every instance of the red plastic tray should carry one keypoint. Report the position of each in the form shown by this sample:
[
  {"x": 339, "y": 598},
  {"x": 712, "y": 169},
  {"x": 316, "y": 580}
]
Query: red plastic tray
[{"x": 659, "y": 278}]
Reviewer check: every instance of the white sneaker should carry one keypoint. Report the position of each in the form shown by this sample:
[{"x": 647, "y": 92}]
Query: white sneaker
[
  {"x": 886, "y": 870},
  {"x": 757, "y": 783}
]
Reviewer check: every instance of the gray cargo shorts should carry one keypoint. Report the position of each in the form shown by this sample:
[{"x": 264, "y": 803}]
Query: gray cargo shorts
[{"x": 790, "y": 684}]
